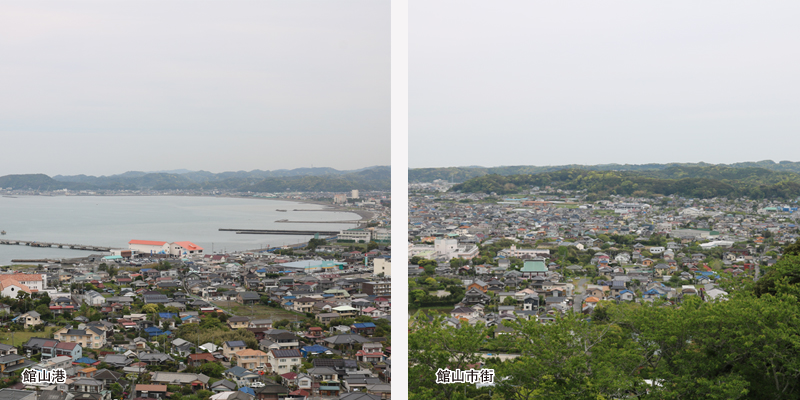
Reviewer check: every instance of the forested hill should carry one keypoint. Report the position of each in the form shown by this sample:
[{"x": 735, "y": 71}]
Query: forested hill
[
  {"x": 305, "y": 180},
  {"x": 462, "y": 174},
  {"x": 688, "y": 181}
]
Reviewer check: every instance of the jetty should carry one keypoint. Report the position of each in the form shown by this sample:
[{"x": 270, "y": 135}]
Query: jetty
[
  {"x": 286, "y": 221},
  {"x": 280, "y": 232},
  {"x": 34, "y": 243}
]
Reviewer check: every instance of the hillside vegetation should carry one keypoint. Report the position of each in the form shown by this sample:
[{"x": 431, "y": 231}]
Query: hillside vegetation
[
  {"x": 688, "y": 181},
  {"x": 304, "y": 180},
  {"x": 461, "y": 174}
]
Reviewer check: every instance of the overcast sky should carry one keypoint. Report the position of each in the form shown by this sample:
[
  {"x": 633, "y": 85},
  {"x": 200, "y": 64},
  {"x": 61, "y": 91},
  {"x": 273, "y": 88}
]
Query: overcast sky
[
  {"x": 105, "y": 87},
  {"x": 553, "y": 82}
]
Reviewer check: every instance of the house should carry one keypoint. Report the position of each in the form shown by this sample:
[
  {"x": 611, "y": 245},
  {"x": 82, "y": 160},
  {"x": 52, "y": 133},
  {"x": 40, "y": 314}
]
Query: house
[
  {"x": 248, "y": 298},
  {"x": 89, "y": 385},
  {"x": 326, "y": 318},
  {"x": 199, "y": 359},
  {"x": 12, "y": 362},
  {"x": 238, "y": 322},
  {"x": 29, "y": 319},
  {"x": 231, "y": 347},
  {"x": 223, "y": 386},
  {"x": 475, "y": 296},
  {"x": 478, "y": 285},
  {"x": 241, "y": 376},
  {"x": 151, "y": 391},
  {"x": 117, "y": 360},
  {"x": 72, "y": 350},
  {"x": 252, "y": 359},
  {"x": 108, "y": 377},
  {"x": 93, "y": 337},
  {"x": 271, "y": 391},
  {"x": 6, "y": 349},
  {"x": 283, "y": 361},
  {"x": 196, "y": 381},
  {"x": 363, "y": 328},
  {"x": 261, "y": 323}
]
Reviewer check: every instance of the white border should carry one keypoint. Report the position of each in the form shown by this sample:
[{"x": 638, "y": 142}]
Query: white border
[{"x": 399, "y": 164}]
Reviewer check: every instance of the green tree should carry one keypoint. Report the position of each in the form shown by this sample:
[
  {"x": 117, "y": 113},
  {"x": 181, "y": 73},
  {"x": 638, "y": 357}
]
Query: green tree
[
  {"x": 433, "y": 345},
  {"x": 212, "y": 369}
]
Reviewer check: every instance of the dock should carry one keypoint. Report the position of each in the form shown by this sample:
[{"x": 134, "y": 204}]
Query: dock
[{"x": 34, "y": 243}]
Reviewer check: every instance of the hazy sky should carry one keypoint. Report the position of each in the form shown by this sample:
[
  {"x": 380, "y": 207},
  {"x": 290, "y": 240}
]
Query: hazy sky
[
  {"x": 106, "y": 87},
  {"x": 553, "y": 82}
]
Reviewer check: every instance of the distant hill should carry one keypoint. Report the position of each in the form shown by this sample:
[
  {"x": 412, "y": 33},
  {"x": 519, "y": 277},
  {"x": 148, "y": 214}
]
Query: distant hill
[
  {"x": 38, "y": 182},
  {"x": 301, "y": 179},
  {"x": 685, "y": 180},
  {"x": 461, "y": 174}
]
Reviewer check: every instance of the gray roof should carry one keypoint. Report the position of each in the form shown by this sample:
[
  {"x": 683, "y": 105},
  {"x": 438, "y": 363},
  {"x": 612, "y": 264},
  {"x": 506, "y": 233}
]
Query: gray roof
[
  {"x": 178, "y": 377},
  {"x": 249, "y": 296},
  {"x": 346, "y": 339},
  {"x": 13, "y": 394}
]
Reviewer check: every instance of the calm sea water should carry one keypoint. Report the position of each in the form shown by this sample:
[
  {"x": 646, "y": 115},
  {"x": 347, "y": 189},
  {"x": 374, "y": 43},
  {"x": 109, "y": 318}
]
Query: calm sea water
[{"x": 115, "y": 220}]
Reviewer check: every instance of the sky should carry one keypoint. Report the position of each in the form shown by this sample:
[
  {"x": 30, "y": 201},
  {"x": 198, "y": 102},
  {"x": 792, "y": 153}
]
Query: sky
[
  {"x": 554, "y": 83},
  {"x": 105, "y": 87}
]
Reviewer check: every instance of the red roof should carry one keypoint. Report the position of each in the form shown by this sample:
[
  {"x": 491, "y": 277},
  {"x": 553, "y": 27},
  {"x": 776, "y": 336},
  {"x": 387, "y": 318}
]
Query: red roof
[
  {"x": 148, "y": 242},
  {"x": 189, "y": 246},
  {"x": 201, "y": 356}
]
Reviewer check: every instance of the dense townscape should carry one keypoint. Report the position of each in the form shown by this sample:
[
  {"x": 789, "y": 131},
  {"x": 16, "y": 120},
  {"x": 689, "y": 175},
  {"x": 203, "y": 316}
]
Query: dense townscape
[
  {"x": 498, "y": 280},
  {"x": 167, "y": 320}
]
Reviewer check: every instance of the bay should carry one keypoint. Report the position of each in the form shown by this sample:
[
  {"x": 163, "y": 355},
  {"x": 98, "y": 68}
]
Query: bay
[{"x": 115, "y": 220}]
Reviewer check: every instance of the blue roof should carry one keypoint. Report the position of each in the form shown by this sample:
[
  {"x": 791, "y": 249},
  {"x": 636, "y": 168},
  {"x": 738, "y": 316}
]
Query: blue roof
[
  {"x": 152, "y": 329},
  {"x": 85, "y": 360},
  {"x": 364, "y": 325},
  {"x": 314, "y": 349},
  {"x": 247, "y": 390},
  {"x": 167, "y": 315}
]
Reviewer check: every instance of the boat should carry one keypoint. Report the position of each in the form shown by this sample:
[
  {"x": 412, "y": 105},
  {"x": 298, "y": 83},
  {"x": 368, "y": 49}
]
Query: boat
[
  {"x": 3, "y": 233},
  {"x": 280, "y": 210}
]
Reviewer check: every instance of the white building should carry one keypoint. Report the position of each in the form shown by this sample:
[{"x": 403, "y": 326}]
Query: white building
[
  {"x": 35, "y": 282},
  {"x": 356, "y": 235},
  {"x": 382, "y": 266},
  {"x": 444, "y": 249},
  {"x": 159, "y": 247},
  {"x": 513, "y": 251},
  {"x": 382, "y": 235},
  {"x": 149, "y": 246}
]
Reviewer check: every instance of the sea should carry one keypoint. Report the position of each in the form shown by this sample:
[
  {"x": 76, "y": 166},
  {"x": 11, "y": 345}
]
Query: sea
[{"x": 115, "y": 220}]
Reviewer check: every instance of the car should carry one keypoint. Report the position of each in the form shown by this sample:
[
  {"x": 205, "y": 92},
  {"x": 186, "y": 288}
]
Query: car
[{"x": 256, "y": 384}]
